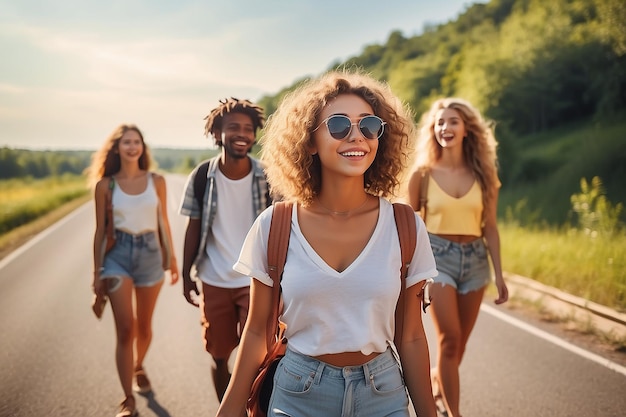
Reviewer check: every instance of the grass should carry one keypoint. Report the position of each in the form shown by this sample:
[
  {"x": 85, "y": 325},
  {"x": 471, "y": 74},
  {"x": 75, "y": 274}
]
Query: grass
[
  {"x": 28, "y": 206},
  {"x": 18, "y": 236},
  {"x": 25, "y": 200},
  {"x": 593, "y": 268}
]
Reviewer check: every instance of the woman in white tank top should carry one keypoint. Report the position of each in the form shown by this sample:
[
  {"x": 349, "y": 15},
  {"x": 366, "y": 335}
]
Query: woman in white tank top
[{"x": 136, "y": 264}]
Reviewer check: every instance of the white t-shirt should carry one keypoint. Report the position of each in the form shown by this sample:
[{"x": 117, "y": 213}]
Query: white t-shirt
[
  {"x": 332, "y": 312},
  {"x": 233, "y": 218}
]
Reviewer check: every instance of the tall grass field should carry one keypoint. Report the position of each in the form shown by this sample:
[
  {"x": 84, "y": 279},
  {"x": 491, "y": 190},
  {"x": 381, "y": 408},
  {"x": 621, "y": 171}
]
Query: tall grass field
[
  {"x": 589, "y": 266},
  {"x": 24, "y": 200}
]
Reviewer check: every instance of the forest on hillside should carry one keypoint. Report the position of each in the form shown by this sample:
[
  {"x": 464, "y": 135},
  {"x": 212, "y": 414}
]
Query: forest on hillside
[
  {"x": 529, "y": 64},
  {"x": 550, "y": 74}
]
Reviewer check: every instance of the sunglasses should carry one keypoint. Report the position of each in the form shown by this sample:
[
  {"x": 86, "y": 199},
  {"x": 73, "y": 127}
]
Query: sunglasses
[{"x": 340, "y": 126}]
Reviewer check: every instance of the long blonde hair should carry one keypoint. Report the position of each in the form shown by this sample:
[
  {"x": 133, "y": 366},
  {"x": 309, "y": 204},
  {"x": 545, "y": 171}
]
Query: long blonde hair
[
  {"x": 294, "y": 174},
  {"x": 106, "y": 161},
  {"x": 479, "y": 147}
]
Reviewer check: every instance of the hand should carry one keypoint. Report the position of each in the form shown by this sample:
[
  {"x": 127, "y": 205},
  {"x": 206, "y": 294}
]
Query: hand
[
  {"x": 503, "y": 291},
  {"x": 190, "y": 287},
  {"x": 174, "y": 274},
  {"x": 98, "y": 286}
]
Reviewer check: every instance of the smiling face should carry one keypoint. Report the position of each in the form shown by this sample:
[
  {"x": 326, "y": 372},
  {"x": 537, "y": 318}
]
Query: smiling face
[
  {"x": 237, "y": 134},
  {"x": 352, "y": 155},
  {"x": 130, "y": 146},
  {"x": 449, "y": 128}
]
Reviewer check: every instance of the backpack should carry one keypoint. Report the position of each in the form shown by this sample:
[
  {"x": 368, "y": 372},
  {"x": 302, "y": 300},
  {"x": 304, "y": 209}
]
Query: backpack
[
  {"x": 422, "y": 207},
  {"x": 199, "y": 182}
]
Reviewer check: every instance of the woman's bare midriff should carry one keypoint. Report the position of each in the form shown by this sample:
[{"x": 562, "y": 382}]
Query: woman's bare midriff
[
  {"x": 346, "y": 358},
  {"x": 459, "y": 238}
]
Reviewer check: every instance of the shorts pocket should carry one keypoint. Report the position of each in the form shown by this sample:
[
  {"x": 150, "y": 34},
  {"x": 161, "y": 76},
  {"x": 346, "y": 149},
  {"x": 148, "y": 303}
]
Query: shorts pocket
[
  {"x": 439, "y": 248},
  {"x": 152, "y": 243},
  {"x": 387, "y": 381},
  {"x": 480, "y": 249},
  {"x": 293, "y": 380}
]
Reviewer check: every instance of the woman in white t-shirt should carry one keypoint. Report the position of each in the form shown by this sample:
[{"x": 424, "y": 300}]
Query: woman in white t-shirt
[
  {"x": 336, "y": 148},
  {"x": 135, "y": 266}
]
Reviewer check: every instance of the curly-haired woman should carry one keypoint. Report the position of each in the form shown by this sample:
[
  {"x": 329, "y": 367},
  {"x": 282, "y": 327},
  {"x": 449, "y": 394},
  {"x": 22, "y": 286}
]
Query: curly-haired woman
[
  {"x": 337, "y": 147},
  {"x": 457, "y": 163}
]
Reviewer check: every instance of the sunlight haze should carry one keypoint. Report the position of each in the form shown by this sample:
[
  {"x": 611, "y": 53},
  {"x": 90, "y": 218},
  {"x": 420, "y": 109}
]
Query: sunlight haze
[{"x": 72, "y": 70}]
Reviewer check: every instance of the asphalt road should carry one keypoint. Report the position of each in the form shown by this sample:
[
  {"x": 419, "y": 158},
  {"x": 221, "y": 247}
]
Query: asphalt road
[{"x": 57, "y": 359}]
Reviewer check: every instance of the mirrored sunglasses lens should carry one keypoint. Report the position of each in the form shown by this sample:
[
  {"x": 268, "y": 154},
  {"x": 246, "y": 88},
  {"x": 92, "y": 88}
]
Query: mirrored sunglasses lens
[
  {"x": 370, "y": 127},
  {"x": 339, "y": 126}
]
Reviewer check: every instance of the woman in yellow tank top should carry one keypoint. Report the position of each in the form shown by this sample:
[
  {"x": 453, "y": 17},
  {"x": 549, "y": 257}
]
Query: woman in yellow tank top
[{"x": 457, "y": 149}]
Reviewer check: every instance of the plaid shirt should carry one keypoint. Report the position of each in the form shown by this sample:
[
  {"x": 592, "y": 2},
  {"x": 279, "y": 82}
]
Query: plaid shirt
[{"x": 190, "y": 207}]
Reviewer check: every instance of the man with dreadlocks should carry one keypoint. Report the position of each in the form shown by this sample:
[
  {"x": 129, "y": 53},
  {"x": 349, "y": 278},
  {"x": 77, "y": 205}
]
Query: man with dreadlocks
[{"x": 217, "y": 228}]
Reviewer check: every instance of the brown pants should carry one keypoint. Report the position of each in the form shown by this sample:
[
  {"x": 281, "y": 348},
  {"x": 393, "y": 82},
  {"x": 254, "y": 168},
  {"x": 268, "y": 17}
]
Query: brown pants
[{"x": 224, "y": 313}]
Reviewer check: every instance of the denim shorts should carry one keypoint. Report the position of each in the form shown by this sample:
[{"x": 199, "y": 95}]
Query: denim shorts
[
  {"x": 135, "y": 256},
  {"x": 306, "y": 387},
  {"x": 462, "y": 265}
]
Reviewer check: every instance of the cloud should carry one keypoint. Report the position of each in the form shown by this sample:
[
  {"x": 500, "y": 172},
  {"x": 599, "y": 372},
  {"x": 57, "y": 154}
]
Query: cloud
[{"x": 73, "y": 70}]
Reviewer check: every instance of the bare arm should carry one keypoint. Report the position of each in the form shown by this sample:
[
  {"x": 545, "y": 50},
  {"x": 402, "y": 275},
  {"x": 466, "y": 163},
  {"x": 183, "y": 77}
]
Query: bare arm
[
  {"x": 414, "y": 355},
  {"x": 492, "y": 237},
  {"x": 414, "y": 189},
  {"x": 162, "y": 193},
  {"x": 99, "y": 235},
  {"x": 192, "y": 243},
  {"x": 251, "y": 353}
]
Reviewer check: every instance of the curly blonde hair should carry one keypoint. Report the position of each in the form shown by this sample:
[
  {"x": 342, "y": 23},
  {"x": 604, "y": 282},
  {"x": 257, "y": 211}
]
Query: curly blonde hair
[
  {"x": 479, "y": 147},
  {"x": 295, "y": 175},
  {"x": 232, "y": 105},
  {"x": 106, "y": 161}
]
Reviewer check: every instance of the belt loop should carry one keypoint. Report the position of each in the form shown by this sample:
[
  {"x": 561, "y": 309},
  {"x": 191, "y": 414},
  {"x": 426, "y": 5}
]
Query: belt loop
[
  {"x": 318, "y": 374},
  {"x": 366, "y": 374}
]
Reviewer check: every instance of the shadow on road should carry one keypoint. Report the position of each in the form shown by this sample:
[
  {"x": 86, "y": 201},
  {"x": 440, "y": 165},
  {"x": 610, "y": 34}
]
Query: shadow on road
[{"x": 155, "y": 406}]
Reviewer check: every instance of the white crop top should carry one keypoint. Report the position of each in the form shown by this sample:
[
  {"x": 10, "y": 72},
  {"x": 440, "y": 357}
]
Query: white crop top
[
  {"x": 137, "y": 213},
  {"x": 332, "y": 312}
]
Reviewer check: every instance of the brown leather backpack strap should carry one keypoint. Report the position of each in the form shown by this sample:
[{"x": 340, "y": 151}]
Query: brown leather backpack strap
[
  {"x": 277, "y": 245},
  {"x": 407, "y": 234},
  {"x": 423, "y": 198}
]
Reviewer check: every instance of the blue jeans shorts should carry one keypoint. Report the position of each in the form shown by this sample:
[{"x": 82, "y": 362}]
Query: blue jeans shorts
[
  {"x": 464, "y": 266},
  {"x": 306, "y": 387},
  {"x": 135, "y": 256}
]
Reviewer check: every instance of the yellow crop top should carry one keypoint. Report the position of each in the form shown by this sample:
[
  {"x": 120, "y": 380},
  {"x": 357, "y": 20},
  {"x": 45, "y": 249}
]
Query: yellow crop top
[{"x": 448, "y": 215}]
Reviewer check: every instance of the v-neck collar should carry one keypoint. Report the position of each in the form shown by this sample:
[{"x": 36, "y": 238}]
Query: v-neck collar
[{"x": 319, "y": 261}]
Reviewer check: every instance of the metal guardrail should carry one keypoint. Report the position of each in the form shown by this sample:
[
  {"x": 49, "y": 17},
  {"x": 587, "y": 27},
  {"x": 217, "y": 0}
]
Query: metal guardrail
[{"x": 602, "y": 318}]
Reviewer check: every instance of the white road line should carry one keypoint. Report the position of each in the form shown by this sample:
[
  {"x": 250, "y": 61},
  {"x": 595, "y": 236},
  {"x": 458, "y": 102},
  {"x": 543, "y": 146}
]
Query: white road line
[{"x": 553, "y": 339}]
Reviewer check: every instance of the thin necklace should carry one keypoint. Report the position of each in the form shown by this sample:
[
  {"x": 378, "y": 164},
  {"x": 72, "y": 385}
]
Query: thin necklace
[{"x": 342, "y": 213}]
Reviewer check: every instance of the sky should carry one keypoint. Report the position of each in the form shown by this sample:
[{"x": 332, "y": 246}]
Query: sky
[{"x": 73, "y": 70}]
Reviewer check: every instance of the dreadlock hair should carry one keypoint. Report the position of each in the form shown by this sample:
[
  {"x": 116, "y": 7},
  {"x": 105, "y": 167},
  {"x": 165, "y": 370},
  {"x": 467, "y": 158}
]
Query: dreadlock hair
[{"x": 232, "y": 105}]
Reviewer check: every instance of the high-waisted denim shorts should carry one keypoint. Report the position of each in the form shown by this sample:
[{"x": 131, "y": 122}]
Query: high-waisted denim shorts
[
  {"x": 465, "y": 266},
  {"x": 135, "y": 256},
  {"x": 306, "y": 387}
]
